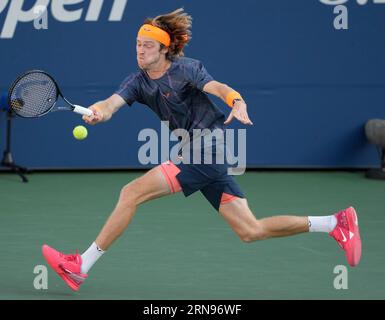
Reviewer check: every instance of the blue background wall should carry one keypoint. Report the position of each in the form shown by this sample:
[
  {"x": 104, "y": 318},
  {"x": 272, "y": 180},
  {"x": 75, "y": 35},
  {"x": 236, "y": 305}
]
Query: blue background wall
[{"x": 309, "y": 87}]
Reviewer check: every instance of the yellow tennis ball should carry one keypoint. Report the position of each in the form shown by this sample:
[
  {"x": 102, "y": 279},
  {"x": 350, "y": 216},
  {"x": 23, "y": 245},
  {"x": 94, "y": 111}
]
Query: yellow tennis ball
[{"x": 80, "y": 132}]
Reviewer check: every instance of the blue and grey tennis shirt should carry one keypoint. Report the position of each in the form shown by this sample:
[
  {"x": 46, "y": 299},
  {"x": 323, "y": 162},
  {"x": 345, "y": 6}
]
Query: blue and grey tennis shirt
[{"x": 178, "y": 97}]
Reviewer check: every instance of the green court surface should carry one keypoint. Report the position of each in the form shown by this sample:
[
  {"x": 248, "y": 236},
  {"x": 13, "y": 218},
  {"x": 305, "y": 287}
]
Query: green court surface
[{"x": 180, "y": 248}]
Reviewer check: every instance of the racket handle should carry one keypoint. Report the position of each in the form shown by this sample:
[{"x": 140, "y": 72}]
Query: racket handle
[{"x": 82, "y": 110}]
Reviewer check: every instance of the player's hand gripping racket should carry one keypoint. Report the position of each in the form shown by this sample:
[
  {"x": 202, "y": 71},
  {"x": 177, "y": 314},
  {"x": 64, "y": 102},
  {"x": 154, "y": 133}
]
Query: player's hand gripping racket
[{"x": 36, "y": 93}]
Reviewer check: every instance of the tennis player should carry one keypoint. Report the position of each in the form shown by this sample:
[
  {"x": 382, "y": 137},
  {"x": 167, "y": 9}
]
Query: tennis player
[{"x": 176, "y": 88}]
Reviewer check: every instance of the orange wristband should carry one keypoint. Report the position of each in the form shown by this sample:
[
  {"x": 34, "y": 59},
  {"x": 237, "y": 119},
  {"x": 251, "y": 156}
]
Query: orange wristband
[{"x": 230, "y": 98}]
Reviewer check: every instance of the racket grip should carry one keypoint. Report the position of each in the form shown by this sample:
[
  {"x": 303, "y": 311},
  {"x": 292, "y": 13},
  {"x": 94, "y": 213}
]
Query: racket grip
[{"x": 82, "y": 110}]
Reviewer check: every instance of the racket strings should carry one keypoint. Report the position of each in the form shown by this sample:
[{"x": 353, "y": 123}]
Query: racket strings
[{"x": 33, "y": 95}]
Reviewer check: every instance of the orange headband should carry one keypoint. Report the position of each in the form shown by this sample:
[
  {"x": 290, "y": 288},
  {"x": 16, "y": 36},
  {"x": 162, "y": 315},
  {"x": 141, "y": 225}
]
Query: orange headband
[{"x": 147, "y": 30}]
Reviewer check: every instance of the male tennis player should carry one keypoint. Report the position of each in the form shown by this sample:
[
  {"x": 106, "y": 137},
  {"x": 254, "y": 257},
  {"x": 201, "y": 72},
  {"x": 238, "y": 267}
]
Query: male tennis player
[{"x": 176, "y": 89}]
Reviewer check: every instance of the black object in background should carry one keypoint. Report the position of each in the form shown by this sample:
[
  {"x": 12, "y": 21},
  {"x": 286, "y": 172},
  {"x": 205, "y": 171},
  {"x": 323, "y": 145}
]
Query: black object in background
[{"x": 7, "y": 160}]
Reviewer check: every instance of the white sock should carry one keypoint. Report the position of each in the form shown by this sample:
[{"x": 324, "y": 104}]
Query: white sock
[
  {"x": 322, "y": 224},
  {"x": 90, "y": 256}
]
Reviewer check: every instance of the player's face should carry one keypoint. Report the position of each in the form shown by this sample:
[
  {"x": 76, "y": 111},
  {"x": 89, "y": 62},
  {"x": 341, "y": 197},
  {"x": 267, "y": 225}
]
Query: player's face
[{"x": 148, "y": 52}]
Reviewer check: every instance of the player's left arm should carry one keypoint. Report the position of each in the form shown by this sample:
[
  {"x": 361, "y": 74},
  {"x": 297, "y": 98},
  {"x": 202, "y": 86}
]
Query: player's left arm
[{"x": 231, "y": 98}]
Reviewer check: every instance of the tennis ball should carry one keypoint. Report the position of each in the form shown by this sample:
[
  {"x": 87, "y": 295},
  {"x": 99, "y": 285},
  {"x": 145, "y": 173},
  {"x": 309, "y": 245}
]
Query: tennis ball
[{"x": 80, "y": 132}]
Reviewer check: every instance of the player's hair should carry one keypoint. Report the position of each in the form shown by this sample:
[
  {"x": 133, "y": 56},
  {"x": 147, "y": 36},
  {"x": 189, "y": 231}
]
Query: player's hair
[{"x": 178, "y": 25}]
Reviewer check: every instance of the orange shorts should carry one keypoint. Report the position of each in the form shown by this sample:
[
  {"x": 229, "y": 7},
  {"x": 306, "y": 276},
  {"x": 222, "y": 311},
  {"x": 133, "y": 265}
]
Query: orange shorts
[{"x": 170, "y": 171}]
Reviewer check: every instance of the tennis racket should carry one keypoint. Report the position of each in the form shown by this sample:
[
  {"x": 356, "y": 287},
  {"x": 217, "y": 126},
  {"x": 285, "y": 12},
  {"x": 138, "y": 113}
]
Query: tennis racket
[{"x": 36, "y": 93}]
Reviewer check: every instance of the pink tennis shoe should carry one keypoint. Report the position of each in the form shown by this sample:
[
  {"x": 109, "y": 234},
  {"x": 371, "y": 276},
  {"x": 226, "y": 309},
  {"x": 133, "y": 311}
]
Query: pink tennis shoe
[
  {"x": 347, "y": 235},
  {"x": 66, "y": 266}
]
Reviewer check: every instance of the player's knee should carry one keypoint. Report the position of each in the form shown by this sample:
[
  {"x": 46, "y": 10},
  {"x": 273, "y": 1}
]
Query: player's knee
[
  {"x": 255, "y": 233},
  {"x": 129, "y": 195}
]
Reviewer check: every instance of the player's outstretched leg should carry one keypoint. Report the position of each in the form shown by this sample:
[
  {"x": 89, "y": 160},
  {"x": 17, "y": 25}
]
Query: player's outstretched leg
[
  {"x": 73, "y": 268},
  {"x": 342, "y": 226}
]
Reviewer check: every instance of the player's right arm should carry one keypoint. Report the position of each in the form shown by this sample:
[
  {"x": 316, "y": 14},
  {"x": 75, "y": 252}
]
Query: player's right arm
[{"x": 103, "y": 110}]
